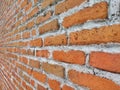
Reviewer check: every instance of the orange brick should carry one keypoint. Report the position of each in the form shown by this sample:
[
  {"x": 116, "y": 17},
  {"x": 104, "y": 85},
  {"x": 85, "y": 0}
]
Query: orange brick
[
  {"x": 22, "y": 28},
  {"x": 39, "y": 87},
  {"x": 54, "y": 85},
  {"x": 35, "y": 1},
  {"x": 55, "y": 40},
  {"x": 33, "y": 12},
  {"x": 30, "y": 52},
  {"x": 91, "y": 81},
  {"x": 66, "y": 5},
  {"x": 24, "y": 3},
  {"x": 39, "y": 76},
  {"x": 41, "y": 19},
  {"x": 26, "y": 78},
  {"x": 51, "y": 26},
  {"x": 26, "y": 35},
  {"x": 36, "y": 42},
  {"x": 30, "y": 24},
  {"x": 98, "y": 11},
  {"x": 53, "y": 69},
  {"x": 46, "y": 3},
  {"x": 32, "y": 82},
  {"x": 42, "y": 53},
  {"x": 96, "y": 36},
  {"x": 74, "y": 57},
  {"x": 24, "y": 60},
  {"x": 105, "y": 61},
  {"x": 28, "y": 6},
  {"x": 33, "y": 32},
  {"x": 66, "y": 87},
  {"x": 34, "y": 63}
]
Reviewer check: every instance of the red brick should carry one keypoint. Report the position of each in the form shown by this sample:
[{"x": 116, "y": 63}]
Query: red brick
[
  {"x": 91, "y": 81},
  {"x": 24, "y": 60},
  {"x": 30, "y": 24},
  {"x": 74, "y": 57},
  {"x": 54, "y": 85},
  {"x": 41, "y": 19},
  {"x": 66, "y": 5},
  {"x": 36, "y": 42},
  {"x": 33, "y": 32},
  {"x": 34, "y": 63},
  {"x": 51, "y": 26},
  {"x": 33, "y": 12},
  {"x": 31, "y": 52},
  {"x": 39, "y": 87},
  {"x": 66, "y": 87},
  {"x": 97, "y": 11},
  {"x": 56, "y": 40},
  {"x": 24, "y": 3},
  {"x": 105, "y": 61},
  {"x": 53, "y": 69},
  {"x": 26, "y": 35},
  {"x": 42, "y": 53},
  {"x": 96, "y": 36},
  {"x": 28, "y": 6},
  {"x": 39, "y": 76},
  {"x": 32, "y": 82},
  {"x": 46, "y": 3}
]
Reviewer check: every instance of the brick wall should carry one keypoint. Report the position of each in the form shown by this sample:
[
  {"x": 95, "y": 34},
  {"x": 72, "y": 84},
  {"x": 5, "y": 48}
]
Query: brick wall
[{"x": 60, "y": 45}]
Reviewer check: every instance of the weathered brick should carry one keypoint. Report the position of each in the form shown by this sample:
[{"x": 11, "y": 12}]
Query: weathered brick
[
  {"x": 34, "y": 63},
  {"x": 26, "y": 35},
  {"x": 33, "y": 32},
  {"x": 39, "y": 87},
  {"x": 42, "y": 53},
  {"x": 28, "y": 6},
  {"x": 46, "y": 3},
  {"x": 91, "y": 81},
  {"x": 53, "y": 69},
  {"x": 33, "y": 12},
  {"x": 105, "y": 61},
  {"x": 24, "y": 3},
  {"x": 74, "y": 57},
  {"x": 24, "y": 60},
  {"x": 30, "y": 24},
  {"x": 66, "y": 87},
  {"x": 51, "y": 26},
  {"x": 66, "y": 5},
  {"x": 97, "y": 11},
  {"x": 39, "y": 76},
  {"x": 54, "y": 85},
  {"x": 96, "y": 36},
  {"x": 55, "y": 40},
  {"x": 36, "y": 42},
  {"x": 41, "y": 19}
]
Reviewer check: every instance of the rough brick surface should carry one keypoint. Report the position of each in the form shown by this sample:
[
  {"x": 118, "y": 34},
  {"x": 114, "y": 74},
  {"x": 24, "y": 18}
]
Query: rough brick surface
[
  {"x": 41, "y": 19},
  {"x": 51, "y": 26},
  {"x": 59, "y": 44},
  {"x": 42, "y": 53},
  {"x": 96, "y": 36},
  {"x": 67, "y": 4},
  {"x": 76, "y": 57},
  {"x": 39, "y": 76},
  {"x": 55, "y": 40},
  {"x": 98, "y": 11},
  {"x": 53, "y": 69},
  {"x": 65, "y": 87},
  {"x": 36, "y": 42},
  {"x": 54, "y": 85},
  {"x": 107, "y": 61},
  {"x": 91, "y": 81}
]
